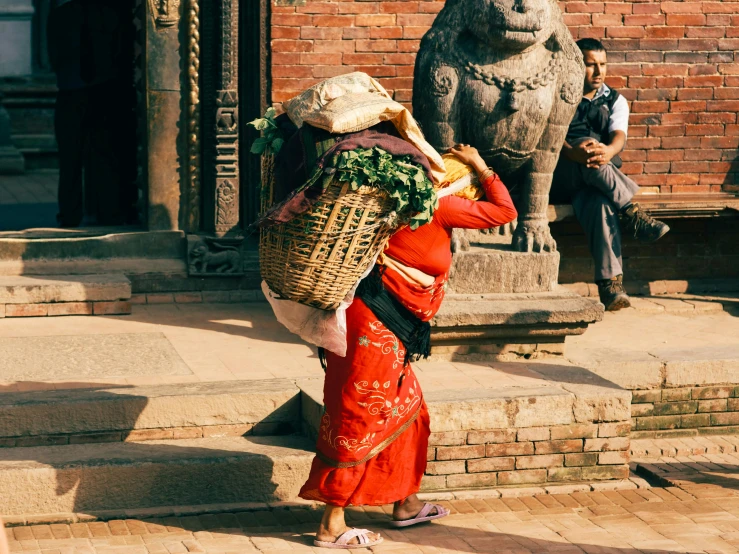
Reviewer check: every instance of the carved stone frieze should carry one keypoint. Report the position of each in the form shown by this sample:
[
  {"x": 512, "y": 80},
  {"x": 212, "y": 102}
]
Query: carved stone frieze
[
  {"x": 214, "y": 257},
  {"x": 227, "y": 161},
  {"x": 166, "y": 13}
]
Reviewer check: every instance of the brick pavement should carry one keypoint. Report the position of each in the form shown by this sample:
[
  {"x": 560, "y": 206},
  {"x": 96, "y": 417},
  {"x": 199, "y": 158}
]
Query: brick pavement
[{"x": 652, "y": 519}]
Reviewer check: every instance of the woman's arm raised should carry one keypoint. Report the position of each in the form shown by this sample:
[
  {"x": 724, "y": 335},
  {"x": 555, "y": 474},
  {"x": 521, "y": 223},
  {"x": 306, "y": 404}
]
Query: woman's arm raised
[{"x": 497, "y": 209}]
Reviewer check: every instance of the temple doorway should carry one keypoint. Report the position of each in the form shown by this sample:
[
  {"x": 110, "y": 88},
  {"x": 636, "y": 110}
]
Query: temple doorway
[{"x": 75, "y": 122}]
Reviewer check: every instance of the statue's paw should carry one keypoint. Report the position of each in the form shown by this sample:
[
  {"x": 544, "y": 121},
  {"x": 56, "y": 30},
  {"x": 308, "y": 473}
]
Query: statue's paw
[{"x": 533, "y": 236}]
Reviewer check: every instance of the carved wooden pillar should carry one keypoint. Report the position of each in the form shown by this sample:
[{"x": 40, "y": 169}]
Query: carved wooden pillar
[
  {"x": 226, "y": 206},
  {"x": 165, "y": 142}
]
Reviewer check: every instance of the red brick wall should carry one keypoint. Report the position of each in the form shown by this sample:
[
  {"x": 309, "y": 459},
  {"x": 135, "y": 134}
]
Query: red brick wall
[{"x": 674, "y": 61}]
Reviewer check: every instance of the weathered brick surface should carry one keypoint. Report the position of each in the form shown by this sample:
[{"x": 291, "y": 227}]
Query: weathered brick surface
[
  {"x": 524, "y": 477},
  {"x": 491, "y": 464},
  {"x": 460, "y": 452},
  {"x": 450, "y": 438},
  {"x": 533, "y": 434},
  {"x": 26, "y": 310},
  {"x": 538, "y": 462},
  {"x": 120, "y": 307},
  {"x": 494, "y": 436},
  {"x": 575, "y": 431},
  {"x": 510, "y": 449},
  {"x": 695, "y": 409},
  {"x": 613, "y": 429},
  {"x": 602, "y": 445},
  {"x": 673, "y": 61},
  {"x": 70, "y": 308},
  {"x": 558, "y": 446}
]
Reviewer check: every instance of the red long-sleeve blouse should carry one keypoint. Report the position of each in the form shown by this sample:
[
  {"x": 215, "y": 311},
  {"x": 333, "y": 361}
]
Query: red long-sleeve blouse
[{"x": 428, "y": 247}]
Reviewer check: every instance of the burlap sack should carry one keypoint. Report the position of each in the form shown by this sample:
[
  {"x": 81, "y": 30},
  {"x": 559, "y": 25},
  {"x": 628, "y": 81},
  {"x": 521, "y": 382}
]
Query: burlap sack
[{"x": 339, "y": 106}]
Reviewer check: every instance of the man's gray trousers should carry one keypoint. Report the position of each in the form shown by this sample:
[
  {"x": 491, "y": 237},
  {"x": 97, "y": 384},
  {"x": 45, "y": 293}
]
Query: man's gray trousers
[{"x": 596, "y": 195}]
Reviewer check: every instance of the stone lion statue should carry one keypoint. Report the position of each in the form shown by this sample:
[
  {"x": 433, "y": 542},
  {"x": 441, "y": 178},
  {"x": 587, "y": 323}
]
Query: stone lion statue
[
  {"x": 202, "y": 260},
  {"x": 506, "y": 77}
]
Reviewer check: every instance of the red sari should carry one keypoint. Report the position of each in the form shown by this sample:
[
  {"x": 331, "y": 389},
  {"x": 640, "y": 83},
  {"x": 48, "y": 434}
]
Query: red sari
[{"x": 373, "y": 438}]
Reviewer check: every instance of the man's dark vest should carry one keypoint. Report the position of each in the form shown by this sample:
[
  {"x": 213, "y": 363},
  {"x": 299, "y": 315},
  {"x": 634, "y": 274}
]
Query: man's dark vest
[{"x": 591, "y": 120}]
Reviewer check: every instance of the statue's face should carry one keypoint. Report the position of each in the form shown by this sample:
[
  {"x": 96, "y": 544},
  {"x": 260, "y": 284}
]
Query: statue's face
[{"x": 510, "y": 24}]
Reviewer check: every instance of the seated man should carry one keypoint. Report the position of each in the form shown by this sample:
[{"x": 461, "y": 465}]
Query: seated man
[{"x": 587, "y": 175}]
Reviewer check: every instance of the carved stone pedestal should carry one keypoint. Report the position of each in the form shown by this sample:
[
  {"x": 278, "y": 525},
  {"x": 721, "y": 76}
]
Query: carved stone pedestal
[{"x": 503, "y": 304}]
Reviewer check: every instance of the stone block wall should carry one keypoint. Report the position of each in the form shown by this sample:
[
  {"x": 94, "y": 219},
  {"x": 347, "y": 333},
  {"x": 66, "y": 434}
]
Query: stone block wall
[
  {"x": 675, "y": 61},
  {"x": 685, "y": 411},
  {"x": 531, "y": 456}
]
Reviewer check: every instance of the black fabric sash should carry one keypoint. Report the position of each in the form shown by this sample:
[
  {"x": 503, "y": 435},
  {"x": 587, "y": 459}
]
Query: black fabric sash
[{"x": 411, "y": 331}]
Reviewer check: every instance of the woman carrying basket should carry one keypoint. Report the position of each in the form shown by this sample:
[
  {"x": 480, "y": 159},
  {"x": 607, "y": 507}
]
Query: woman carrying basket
[{"x": 373, "y": 436}]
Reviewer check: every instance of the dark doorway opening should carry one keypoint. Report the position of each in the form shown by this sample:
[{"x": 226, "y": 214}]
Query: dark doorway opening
[
  {"x": 253, "y": 93},
  {"x": 86, "y": 129}
]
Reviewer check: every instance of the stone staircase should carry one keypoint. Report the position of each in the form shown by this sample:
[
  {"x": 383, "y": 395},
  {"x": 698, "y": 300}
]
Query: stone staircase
[
  {"x": 167, "y": 448},
  {"x": 85, "y": 272},
  {"x": 109, "y": 450}
]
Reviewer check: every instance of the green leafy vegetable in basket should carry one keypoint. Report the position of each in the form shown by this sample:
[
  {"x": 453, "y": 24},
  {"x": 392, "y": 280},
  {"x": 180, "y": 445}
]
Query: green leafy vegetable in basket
[
  {"x": 271, "y": 140},
  {"x": 396, "y": 175}
]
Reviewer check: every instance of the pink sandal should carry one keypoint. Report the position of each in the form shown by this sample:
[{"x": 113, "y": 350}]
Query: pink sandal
[
  {"x": 343, "y": 541},
  {"x": 422, "y": 516}
]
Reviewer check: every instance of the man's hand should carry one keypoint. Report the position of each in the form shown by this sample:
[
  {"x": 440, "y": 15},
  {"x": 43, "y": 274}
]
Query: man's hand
[
  {"x": 589, "y": 153},
  {"x": 580, "y": 152},
  {"x": 600, "y": 154}
]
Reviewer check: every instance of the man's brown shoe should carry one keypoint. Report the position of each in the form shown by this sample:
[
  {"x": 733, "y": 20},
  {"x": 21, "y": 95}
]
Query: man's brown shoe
[
  {"x": 641, "y": 225},
  {"x": 612, "y": 293}
]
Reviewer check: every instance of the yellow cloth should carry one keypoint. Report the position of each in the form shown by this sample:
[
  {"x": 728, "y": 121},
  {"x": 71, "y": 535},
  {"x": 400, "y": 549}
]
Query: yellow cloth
[{"x": 460, "y": 179}]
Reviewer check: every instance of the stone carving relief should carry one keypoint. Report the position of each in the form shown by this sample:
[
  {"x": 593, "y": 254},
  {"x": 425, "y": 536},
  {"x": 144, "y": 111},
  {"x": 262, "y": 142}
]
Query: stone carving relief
[
  {"x": 214, "y": 257},
  {"x": 508, "y": 82},
  {"x": 166, "y": 13},
  {"x": 227, "y": 161}
]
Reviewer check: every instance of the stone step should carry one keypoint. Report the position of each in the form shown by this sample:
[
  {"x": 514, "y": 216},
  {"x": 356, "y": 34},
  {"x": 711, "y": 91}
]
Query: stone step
[
  {"x": 75, "y": 479},
  {"x": 90, "y": 251},
  {"x": 567, "y": 426},
  {"x": 474, "y": 326},
  {"x": 60, "y": 295},
  {"x": 156, "y": 412},
  {"x": 22, "y": 289}
]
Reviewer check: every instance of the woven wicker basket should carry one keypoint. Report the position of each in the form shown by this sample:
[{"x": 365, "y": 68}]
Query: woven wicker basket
[{"x": 318, "y": 257}]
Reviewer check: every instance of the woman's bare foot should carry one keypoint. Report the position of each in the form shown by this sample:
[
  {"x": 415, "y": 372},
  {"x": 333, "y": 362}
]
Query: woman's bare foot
[
  {"x": 409, "y": 508},
  {"x": 333, "y": 526}
]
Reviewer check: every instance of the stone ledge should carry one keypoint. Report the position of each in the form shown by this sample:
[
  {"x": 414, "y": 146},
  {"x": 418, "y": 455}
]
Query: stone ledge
[
  {"x": 124, "y": 476},
  {"x": 141, "y": 413},
  {"x": 24, "y": 289},
  {"x": 659, "y": 368},
  {"x": 506, "y": 326},
  {"x": 56, "y": 309}
]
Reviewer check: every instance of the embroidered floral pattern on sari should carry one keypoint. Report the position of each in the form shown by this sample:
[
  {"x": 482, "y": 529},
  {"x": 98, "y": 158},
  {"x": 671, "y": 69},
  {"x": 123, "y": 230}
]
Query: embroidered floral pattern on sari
[
  {"x": 379, "y": 401},
  {"x": 352, "y": 445},
  {"x": 386, "y": 341}
]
